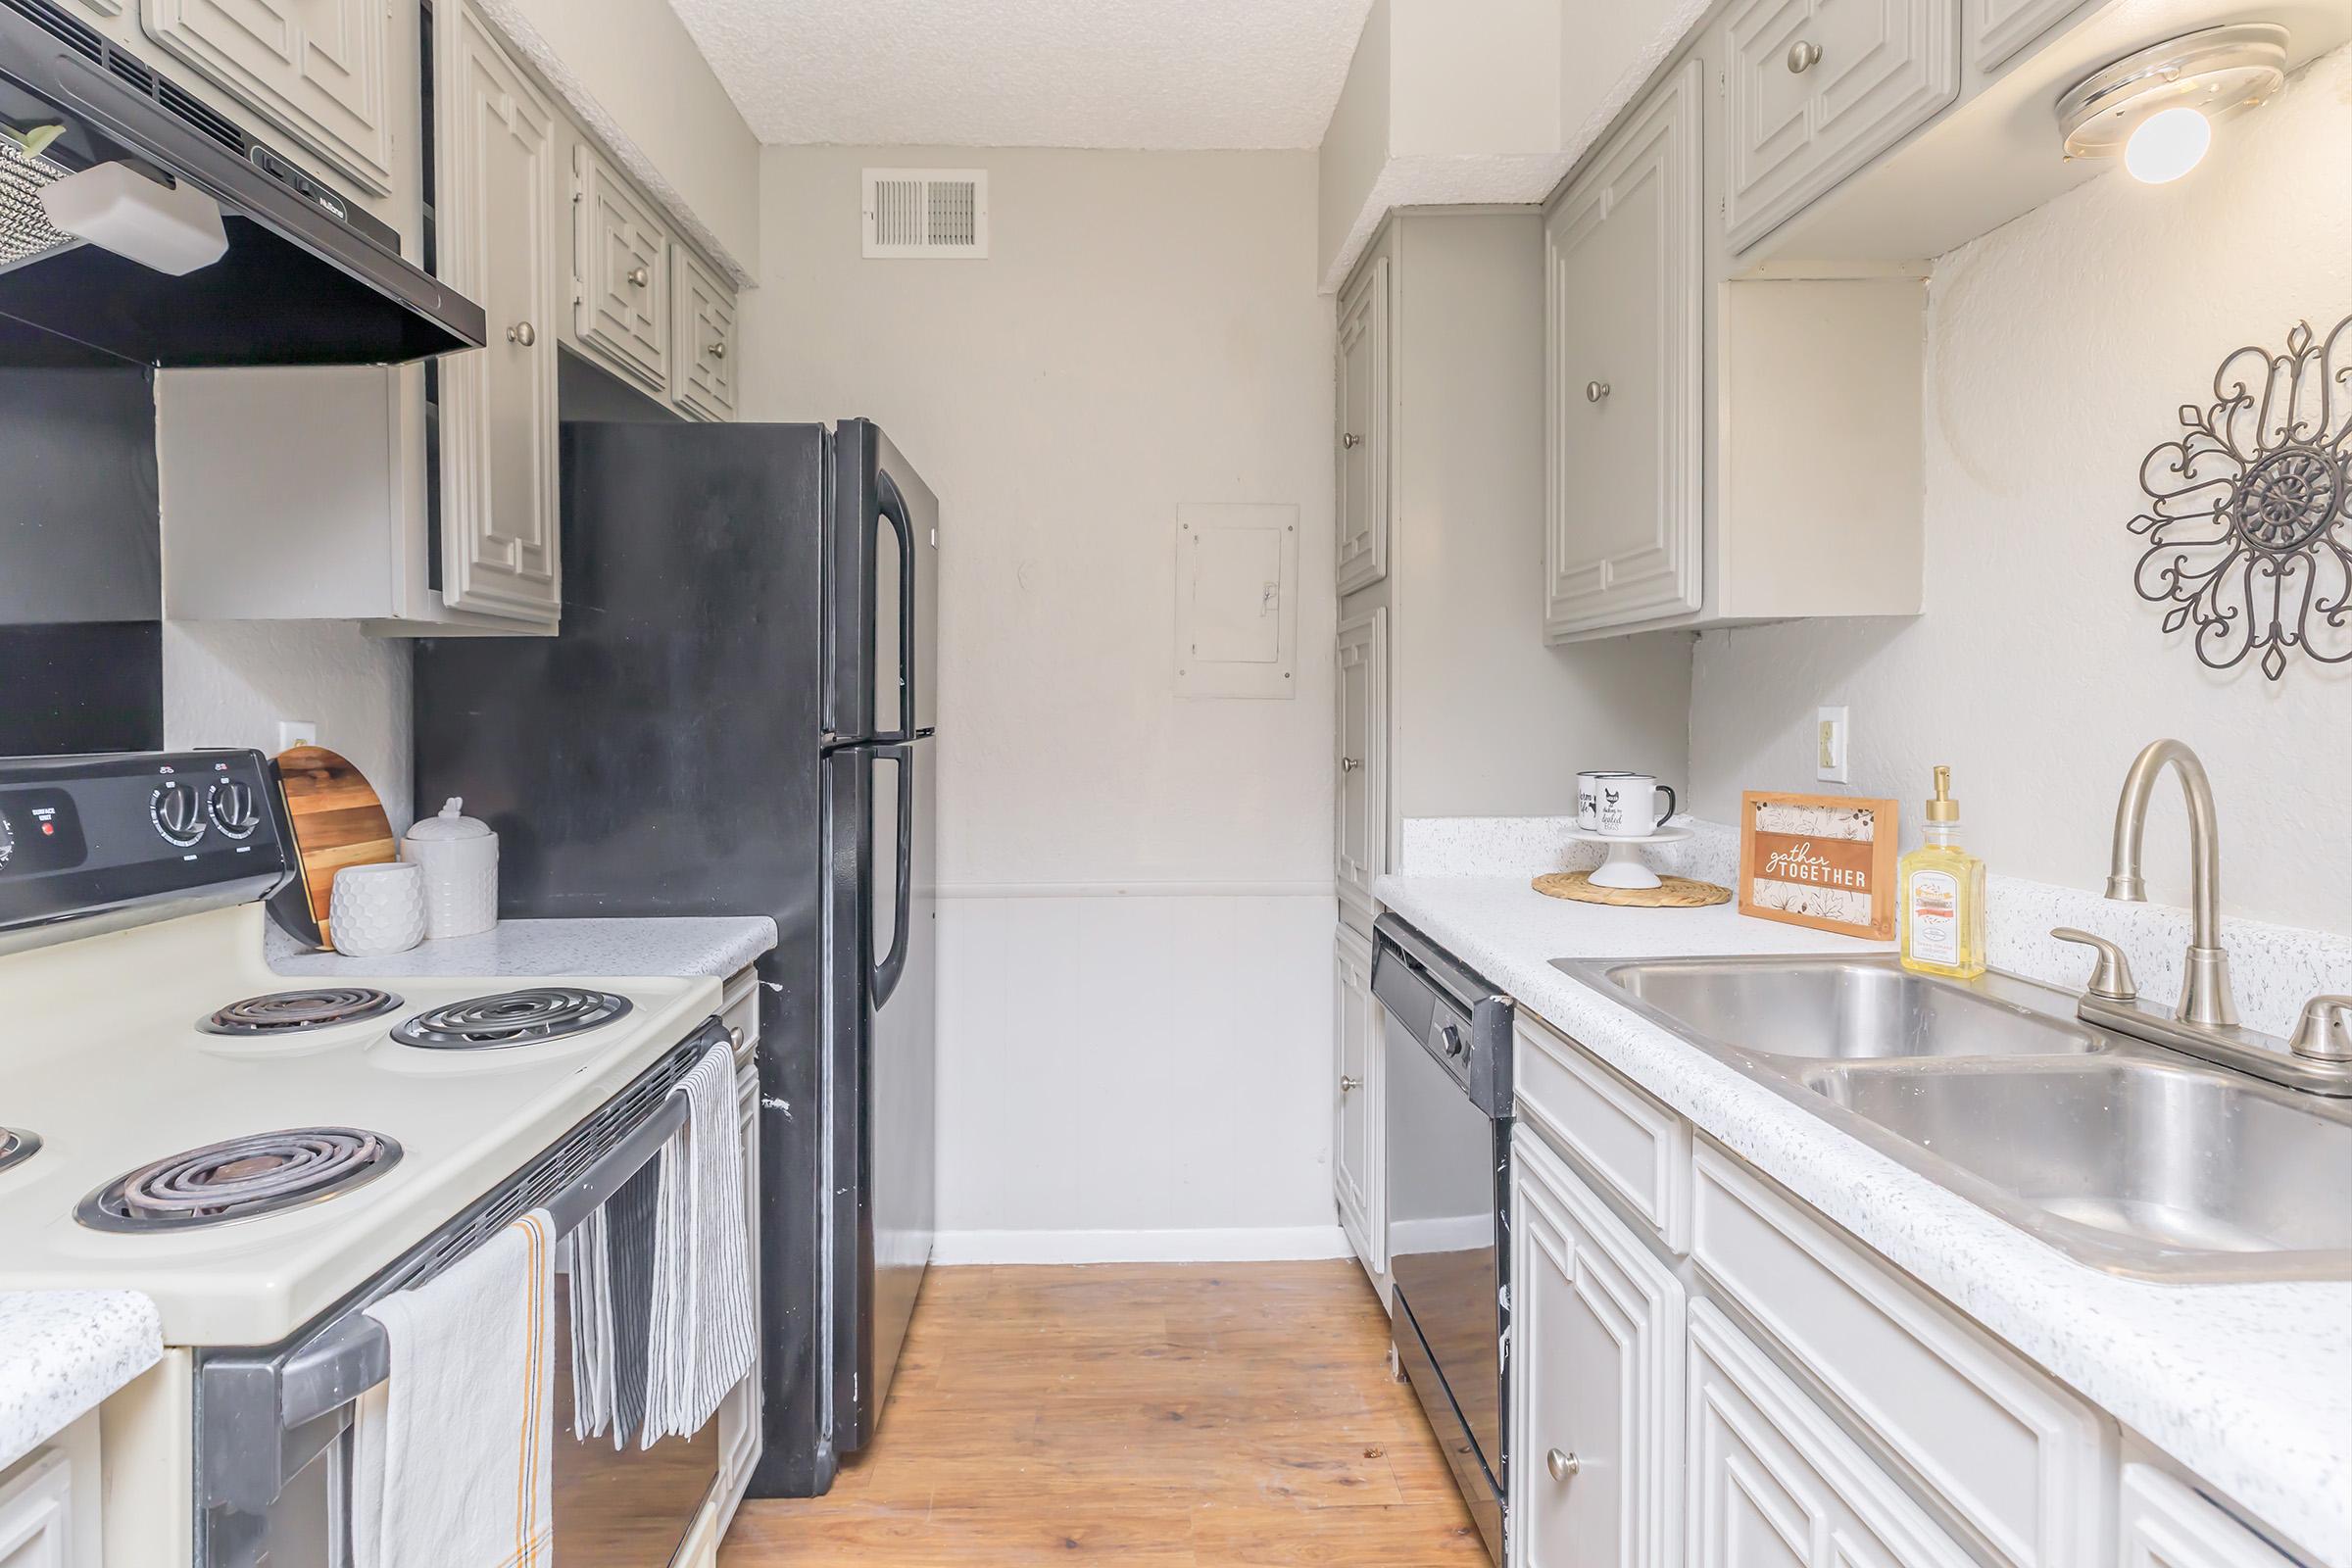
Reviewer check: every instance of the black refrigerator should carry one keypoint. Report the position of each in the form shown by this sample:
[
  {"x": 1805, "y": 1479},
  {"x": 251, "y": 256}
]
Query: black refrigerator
[{"x": 736, "y": 719}]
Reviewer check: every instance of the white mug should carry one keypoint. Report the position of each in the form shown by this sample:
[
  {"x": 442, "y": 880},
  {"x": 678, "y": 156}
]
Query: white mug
[
  {"x": 1588, "y": 787},
  {"x": 1626, "y": 807}
]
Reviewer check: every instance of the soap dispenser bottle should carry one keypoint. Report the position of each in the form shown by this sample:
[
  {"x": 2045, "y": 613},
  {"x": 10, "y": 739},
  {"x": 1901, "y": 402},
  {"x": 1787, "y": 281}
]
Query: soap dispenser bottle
[{"x": 1942, "y": 889}]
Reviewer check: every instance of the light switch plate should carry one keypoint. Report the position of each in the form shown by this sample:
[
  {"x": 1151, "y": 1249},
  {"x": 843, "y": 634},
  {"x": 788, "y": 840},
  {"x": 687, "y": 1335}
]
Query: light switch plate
[
  {"x": 293, "y": 732},
  {"x": 1832, "y": 740}
]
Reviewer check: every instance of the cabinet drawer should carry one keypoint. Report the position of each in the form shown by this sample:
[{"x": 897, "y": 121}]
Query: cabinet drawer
[
  {"x": 621, "y": 274},
  {"x": 2005, "y": 1448},
  {"x": 703, "y": 358},
  {"x": 2163, "y": 1524},
  {"x": 1820, "y": 87},
  {"x": 1638, "y": 1148},
  {"x": 1775, "y": 1484}
]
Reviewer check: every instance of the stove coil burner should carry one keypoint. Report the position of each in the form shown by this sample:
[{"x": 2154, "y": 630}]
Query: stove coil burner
[
  {"x": 17, "y": 1147},
  {"x": 241, "y": 1178},
  {"x": 511, "y": 1019},
  {"x": 290, "y": 1013}
]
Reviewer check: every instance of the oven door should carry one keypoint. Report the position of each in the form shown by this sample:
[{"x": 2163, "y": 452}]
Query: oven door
[
  {"x": 1446, "y": 1163},
  {"x": 625, "y": 1507},
  {"x": 273, "y": 1428}
]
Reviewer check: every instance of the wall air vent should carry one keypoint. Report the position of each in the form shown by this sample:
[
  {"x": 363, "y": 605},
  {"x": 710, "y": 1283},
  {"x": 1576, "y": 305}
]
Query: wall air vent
[{"x": 936, "y": 213}]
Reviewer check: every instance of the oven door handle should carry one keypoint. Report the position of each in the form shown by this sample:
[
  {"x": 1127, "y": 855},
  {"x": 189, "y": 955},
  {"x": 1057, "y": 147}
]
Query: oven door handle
[{"x": 353, "y": 1355}]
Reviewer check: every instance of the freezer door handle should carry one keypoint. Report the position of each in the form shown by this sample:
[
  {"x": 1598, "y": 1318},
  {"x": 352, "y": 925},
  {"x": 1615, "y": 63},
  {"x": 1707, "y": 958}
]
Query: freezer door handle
[
  {"x": 893, "y": 507},
  {"x": 893, "y": 964}
]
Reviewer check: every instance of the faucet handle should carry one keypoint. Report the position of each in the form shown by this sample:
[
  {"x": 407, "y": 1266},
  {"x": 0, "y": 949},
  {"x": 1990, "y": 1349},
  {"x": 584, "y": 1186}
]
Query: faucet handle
[
  {"x": 2111, "y": 979},
  {"x": 2324, "y": 1034}
]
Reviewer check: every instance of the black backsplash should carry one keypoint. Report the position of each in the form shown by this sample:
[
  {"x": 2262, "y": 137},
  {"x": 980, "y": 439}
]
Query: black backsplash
[
  {"x": 80, "y": 563},
  {"x": 93, "y": 687}
]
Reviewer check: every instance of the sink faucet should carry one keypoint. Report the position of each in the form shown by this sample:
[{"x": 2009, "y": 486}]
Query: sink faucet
[
  {"x": 2319, "y": 1056},
  {"x": 2205, "y": 998}
]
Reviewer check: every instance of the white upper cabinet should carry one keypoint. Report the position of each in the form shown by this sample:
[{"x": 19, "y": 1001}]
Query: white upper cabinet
[
  {"x": 621, "y": 274},
  {"x": 1998, "y": 28},
  {"x": 1624, "y": 250},
  {"x": 1817, "y": 89},
  {"x": 704, "y": 357},
  {"x": 1362, "y": 742},
  {"x": 320, "y": 69},
  {"x": 1364, "y": 399},
  {"x": 1597, "y": 1372},
  {"x": 496, "y": 185}
]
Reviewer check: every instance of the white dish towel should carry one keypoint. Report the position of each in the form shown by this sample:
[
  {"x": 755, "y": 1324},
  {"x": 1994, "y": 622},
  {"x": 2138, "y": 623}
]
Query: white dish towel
[
  {"x": 451, "y": 1454},
  {"x": 703, "y": 1333},
  {"x": 592, "y": 1347}
]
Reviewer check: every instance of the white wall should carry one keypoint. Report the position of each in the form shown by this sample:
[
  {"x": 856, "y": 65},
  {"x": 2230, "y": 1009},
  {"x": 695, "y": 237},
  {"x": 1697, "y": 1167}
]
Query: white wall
[
  {"x": 228, "y": 683},
  {"x": 2060, "y": 347},
  {"x": 1144, "y": 332}
]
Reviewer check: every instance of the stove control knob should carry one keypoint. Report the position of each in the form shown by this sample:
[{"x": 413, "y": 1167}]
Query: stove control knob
[
  {"x": 235, "y": 809},
  {"x": 178, "y": 812}
]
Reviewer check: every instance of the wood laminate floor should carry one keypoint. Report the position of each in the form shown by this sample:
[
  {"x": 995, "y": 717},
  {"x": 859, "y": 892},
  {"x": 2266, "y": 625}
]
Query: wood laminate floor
[{"x": 1174, "y": 1415}]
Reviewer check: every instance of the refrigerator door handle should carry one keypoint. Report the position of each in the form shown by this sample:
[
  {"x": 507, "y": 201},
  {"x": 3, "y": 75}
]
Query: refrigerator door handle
[
  {"x": 884, "y": 980},
  {"x": 893, "y": 505}
]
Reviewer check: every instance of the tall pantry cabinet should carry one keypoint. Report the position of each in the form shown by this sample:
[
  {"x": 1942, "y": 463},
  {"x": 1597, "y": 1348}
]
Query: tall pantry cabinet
[{"x": 1451, "y": 704}]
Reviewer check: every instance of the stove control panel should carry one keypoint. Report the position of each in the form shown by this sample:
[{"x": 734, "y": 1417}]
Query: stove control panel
[{"x": 135, "y": 835}]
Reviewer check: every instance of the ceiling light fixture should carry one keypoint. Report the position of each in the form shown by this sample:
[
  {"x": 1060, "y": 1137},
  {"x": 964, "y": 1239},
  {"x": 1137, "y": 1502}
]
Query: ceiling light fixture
[{"x": 2158, "y": 106}]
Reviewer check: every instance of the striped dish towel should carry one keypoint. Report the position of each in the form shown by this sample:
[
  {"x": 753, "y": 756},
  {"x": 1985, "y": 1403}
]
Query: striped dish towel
[
  {"x": 611, "y": 1281},
  {"x": 703, "y": 1335},
  {"x": 449, "y": 1455}
]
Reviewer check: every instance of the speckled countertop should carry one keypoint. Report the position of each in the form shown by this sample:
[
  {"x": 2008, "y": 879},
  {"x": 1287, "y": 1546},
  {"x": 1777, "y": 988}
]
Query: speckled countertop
[
  {"x": 62, "y": 1352},
  {"x": 685, "y": 947},
  {"x": 2249, "y": 1386}
]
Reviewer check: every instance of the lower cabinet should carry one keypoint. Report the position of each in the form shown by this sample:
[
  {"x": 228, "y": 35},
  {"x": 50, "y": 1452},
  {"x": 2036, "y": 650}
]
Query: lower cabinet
[
  {"x": 1775, "y": 1484},
  {"x": 1355, "y": 1151},
  {"x": 36, "y": 1513},
  {"x": 1597, "y": 1372},
  {"x": 2166, "y": 1525}
]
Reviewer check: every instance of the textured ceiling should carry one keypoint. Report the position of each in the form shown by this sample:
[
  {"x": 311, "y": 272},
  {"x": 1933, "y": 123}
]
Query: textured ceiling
[{"x": 1144, "y": 74}]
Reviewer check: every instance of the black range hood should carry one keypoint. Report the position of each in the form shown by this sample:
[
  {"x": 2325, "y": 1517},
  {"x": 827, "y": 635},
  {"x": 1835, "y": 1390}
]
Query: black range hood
[{"x": 306, "y": 279}]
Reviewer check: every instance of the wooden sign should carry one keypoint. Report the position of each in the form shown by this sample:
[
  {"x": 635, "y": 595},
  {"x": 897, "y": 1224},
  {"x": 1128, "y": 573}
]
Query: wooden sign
[{"x": 1823, "y": 860}]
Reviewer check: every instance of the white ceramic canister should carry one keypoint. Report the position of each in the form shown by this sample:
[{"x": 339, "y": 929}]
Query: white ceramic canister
[
  {"x": 460, "y": 859},
  {"x": 376, "y": 910}
]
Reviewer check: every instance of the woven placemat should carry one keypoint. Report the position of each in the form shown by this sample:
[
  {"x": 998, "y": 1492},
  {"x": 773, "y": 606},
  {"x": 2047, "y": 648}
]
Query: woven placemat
[{"x": 1672, "y": 893}]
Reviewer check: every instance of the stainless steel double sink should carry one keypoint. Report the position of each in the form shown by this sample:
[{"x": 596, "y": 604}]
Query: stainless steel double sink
[{"x": 2126, "y": 1155}]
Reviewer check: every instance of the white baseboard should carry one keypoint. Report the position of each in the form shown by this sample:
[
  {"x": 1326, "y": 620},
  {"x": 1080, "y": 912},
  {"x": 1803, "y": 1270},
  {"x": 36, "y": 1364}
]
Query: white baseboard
[{"x": 1264, "y": 1243}]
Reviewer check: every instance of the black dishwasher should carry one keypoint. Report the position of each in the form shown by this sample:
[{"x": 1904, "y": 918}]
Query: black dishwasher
[{"x": 1446, "y": 1054}]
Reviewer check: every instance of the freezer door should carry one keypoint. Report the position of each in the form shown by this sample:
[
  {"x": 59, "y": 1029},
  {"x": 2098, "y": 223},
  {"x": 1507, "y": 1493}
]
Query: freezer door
[
  {"x": 884, "y": 614},
  {"x": 881, "y": 943}
]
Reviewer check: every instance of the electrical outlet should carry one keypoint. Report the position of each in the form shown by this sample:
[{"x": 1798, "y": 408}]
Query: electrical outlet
[
  {"x": 1831, "y": 742},
  {"x": 293, "y": 732}
]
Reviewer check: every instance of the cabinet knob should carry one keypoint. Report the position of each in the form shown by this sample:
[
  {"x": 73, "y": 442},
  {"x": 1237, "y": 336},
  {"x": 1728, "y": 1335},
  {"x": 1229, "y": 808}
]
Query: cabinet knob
[
  {"x": 718, "y": 351},
  {"x": 639, "y": 277},
  {"x": 735, "y": 1037},
  {"x": 1350, "y": 442},
  {"x": 1803, "y": 55},
  {"x": 1349, "y": 1086},
  {"x": 522, "y": 332},
  {"x": 1562, "y": 1465},
  {"x": 1349, "y": 764},
  {"x": 1595, "y": 391}
]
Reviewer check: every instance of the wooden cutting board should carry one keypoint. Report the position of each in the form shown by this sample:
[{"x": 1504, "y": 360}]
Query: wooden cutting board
[{"x": 337, "y": 821}]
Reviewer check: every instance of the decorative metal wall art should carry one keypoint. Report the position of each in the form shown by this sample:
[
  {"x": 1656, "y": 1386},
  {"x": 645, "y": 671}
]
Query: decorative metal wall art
[{"x": 2249, "y": 523}]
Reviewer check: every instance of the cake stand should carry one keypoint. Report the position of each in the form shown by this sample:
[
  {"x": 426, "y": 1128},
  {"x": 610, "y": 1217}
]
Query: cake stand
[{"x": 1623, "y": 865}]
